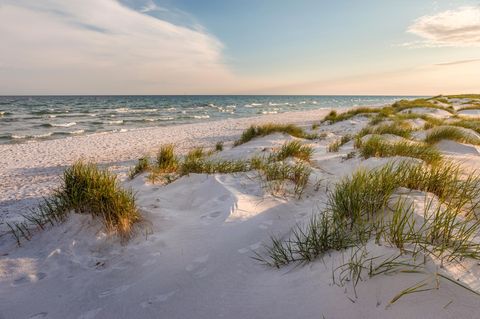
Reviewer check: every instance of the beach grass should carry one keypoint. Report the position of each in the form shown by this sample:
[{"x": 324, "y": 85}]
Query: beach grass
[
  {"x": 166, "y": 160},
  {"x": 451, "y": 133},
  {"x": 334, "y": 117},
  {"x": 142, "y": 166},
  {"x": 335, "y": 145},
  {"x": 398, "y": 127},
  {"x": 377, "y": 146},
  {"x": 418, "y": 103},
  {"x": 86, "y": 189},
  {"x": 270, "y": 128},
  {"x": 293, "y": 149}
]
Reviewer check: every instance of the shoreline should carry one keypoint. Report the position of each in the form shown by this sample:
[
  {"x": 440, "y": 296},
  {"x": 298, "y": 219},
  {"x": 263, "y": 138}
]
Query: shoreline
[{"x": 30, "y": 170}]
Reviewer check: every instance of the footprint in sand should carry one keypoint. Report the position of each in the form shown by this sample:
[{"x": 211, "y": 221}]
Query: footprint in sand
[
  {"x": 113, "y": 291},
  {"x": 197, "y": 267},
  {"x": 157, "y": 299}
]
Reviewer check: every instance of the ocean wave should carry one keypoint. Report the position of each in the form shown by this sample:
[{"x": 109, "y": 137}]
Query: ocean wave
[
  {"x": 62, "y": 124},
  {"x": 166, "y": 118},
  {"x": 76, "y": 132},
  {"x": 231, "y": 106},
  {"x": 129, "y": 110},
  {"x": 201, "y": 116},
  {"x": 16, "y": 137},
  {"x": 114, "y": 122},
  {"x": 277, "y": 104},
  {"x": 269, "y": 112}
]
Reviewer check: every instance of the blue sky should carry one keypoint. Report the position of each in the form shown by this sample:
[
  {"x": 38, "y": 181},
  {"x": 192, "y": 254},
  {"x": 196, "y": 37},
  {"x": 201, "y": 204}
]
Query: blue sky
[{"x": 278, "y": 47}]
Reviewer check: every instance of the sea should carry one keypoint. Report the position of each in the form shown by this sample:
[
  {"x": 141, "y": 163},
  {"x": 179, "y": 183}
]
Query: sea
[{"x": 34, "y": 118}]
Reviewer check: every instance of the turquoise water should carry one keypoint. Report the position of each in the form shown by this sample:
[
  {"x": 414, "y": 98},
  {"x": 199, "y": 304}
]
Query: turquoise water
[{"x": 29, "y": 118}]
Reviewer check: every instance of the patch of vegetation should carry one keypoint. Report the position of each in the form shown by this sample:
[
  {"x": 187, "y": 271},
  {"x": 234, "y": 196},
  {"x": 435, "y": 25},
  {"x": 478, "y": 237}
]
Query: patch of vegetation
[
  {"x": 420, "y": 103},
  {"x": 293, "y": 149},
  {"x": 282, "y": 178},
  {"x": 166, "y": 161},
  {"x": 359, "y": 209},
  {"x": 399, "y": 128},
  {"x": 85, "y": 189},
  {"x": 470, "y": 124},
  {"x": 377, "y": 146},
  {"x": 335, "y": 145},
  {"x": 219, "y": 146},
  {"x": 470, "y": 107},
  {"x": 464, "y": 96},
  {"x": 451, "y": 133},
  {"x": 267, "y": 129},
  {"x": 142, "y": 166},
  {"x": 334, "y": 117}
]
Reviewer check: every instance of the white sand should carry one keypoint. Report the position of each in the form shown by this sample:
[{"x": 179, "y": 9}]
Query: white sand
[
  {"x": 29, "y": 171},
  {"x": 193, "y": 261}
]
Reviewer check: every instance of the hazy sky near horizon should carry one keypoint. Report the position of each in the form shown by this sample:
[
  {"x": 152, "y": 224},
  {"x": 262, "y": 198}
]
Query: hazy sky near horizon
[{"x": 393, "y": 47}]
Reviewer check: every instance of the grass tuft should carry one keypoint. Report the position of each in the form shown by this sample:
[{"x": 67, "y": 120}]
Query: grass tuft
[
  {"x": 451, "y": 133},
  {"x": 142, "y": 165},
  {"x": 376, "y": 146},
  {"x": 85, "y": 189},
  {"x": 266, "y": 129}
]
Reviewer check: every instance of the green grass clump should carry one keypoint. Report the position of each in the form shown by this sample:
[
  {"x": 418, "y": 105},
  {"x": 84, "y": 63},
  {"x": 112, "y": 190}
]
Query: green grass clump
[
  {"x": 451, "y": 133},
  {"x": 470, "y": 107},
  {"x": 86, "y": 189},
  {"x": 358, "y": 209},
  {"x": 376, "y": 146},
  {"x": 267, "y": 129},
  {"x": 470, "y": 124},
  {"x": 335, "y": 145},
  {"x": 334, "y": 117},
  {"x": 409, "y": 104},
  {"x": 279, "y": 176},
  {"x": 399, "y": 128},
  {"x": 142, "y": 165},
  {"x": 294, "y": 149},
  {"x": 464, "y": 96},
  {"x": 219, "y": 146},
  {"x": 166, "y": 160}
]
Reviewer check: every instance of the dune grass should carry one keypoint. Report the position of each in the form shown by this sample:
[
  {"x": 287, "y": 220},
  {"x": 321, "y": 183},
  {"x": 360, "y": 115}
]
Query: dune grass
[
  {"x": 334, "y": 117},
  {"x": 293, "y": 149},
  {"x": 358, "y": 209},
  {"x": 335, "y": 145},
  {"x": 472, "y": 124},
  {"x": 377, "y": 146},
  {"x": 470, "y": 107},
  {"x": 398, "y": 127},
  {"x": 85, "y": 189},
  {"x": 464, "y": 96},
  {"x": 451, "y": 133},
  {"x": 282, "y": 178},
  {"x": 219, "y": 146},
  {"x": 270, "y": 128},
  {"x": 142, "y": 166},
  {"x": 418, "y": 103},
  {"x": 166, "y": 160}
]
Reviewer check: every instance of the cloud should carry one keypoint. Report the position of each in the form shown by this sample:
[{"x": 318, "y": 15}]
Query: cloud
[
  {"x": 458, "y": 62},
  {"x": 103, "y": 47},
  {"x": 458, "y": 28}
]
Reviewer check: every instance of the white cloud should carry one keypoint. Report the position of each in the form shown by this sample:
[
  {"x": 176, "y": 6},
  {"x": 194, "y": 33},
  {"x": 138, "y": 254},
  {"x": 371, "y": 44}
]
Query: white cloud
[
  {"x": 460, "y": 27},
  {"x": 102, "y": 47}
]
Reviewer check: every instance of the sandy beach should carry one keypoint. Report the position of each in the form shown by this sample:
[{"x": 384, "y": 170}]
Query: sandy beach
[
  {"x": 196, "y": 253},
  {"x": 30, "y": 170}
]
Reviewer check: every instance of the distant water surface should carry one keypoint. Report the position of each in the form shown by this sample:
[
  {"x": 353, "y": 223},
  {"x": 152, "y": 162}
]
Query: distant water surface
[{"x": 30, "y": 118}]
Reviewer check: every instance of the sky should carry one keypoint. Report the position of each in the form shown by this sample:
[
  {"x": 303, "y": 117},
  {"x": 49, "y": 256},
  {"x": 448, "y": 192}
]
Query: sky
[{"x": 318, "y": 47}]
